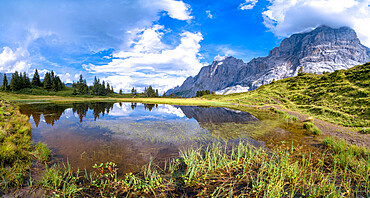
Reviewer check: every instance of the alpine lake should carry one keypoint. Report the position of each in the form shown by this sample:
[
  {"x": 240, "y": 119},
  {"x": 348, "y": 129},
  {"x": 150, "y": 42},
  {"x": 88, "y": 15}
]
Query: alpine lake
[{"x": 133, "y": 135}]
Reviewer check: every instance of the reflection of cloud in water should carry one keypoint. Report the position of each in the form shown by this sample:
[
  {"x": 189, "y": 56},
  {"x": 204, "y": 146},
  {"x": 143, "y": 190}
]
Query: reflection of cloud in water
[
  {"x": 68, "y": 113},
  {"x": 120, "y": 111},
  {"x": 170, "y": 131},
  {"x": 169, "y": 109}
]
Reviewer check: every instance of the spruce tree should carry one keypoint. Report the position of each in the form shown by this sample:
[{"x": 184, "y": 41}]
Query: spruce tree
[
  {"x": 15, "y": 82},
  {"x": 47, "y": 81},
  {"x": 133, "y": 91},
  {"x": 4, "y": 87},
  {"x": 26, "y": 81},
  {"x": 36, "y": 79}
]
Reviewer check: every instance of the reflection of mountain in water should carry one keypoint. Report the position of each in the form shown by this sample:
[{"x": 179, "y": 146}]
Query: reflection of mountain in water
[{"x": 216, "y": 115}]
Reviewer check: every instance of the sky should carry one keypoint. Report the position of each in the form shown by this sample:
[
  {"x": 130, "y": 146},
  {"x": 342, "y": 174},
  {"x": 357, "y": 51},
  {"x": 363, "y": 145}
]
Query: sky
[{"x": 137, "y": 43}]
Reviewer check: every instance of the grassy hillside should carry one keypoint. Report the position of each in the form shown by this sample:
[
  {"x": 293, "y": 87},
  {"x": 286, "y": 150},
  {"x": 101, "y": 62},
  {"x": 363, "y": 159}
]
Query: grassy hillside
[{"x": 341, "y": 97}]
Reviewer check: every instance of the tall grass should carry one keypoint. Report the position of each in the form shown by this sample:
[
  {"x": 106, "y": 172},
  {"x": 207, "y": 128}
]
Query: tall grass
[{"x": 241, "y": 170}]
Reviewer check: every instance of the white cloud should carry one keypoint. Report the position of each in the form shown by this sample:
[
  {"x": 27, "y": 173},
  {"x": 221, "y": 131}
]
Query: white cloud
[
  {"x": 151, "y": 62},
  {"x": 209, "y": 15},
  {"x": 11, "y": 61},
  {"x": 285, "y": 17},
  {"x": 248, "y": 4},
  {"x": 66, "y": 78},
  {"x": 176, "y": 9}
]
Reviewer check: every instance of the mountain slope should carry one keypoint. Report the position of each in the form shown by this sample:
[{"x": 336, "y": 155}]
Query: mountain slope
[
  {"x": 324, "y": 49},
  {"x": 341, "y": 97}
]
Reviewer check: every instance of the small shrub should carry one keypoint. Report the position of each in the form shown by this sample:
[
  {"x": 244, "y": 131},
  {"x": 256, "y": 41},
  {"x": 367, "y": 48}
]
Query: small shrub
[{"x": 42, "y": 152}]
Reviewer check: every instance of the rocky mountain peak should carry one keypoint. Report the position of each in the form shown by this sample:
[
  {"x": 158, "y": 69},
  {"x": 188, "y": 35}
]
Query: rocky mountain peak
[{"x": 323, "y": 49}]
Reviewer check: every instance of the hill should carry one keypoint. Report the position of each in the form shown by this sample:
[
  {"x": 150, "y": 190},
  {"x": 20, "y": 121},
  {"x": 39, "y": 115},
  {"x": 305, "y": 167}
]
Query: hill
[{"x": 341, "y": 97}]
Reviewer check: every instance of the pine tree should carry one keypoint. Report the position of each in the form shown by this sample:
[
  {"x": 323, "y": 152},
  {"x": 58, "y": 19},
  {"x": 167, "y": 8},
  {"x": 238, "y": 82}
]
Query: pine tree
[
  {"x": 4, "y": 87},
  {"x": 120, "y": 91},
  {"x": 300, "y": 71},
  {"x": 26, "y": 81},
  {"x": 133, "y": 91},
  {"x": 96, "y": 86},
  {"x": 14, "y": 82},
  {"x": 156, "y": 93},
  {"x": 47, "y": 81},
  {"x": 36, "y": 79},
  {"x": 108, "y": 88}
]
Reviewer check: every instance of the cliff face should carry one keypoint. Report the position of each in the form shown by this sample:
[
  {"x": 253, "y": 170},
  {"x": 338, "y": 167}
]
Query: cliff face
[
  {"x": 323, "y": 49},
  {"x": 220, "y": 74}
]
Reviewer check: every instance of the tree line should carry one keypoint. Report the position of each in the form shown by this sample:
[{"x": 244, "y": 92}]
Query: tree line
[
  {"x": 99, "y": 89},
  {"x": 22, "y": 81},
  {"x": 202, "y": 93},
  {"x": 52, "y": 82}
]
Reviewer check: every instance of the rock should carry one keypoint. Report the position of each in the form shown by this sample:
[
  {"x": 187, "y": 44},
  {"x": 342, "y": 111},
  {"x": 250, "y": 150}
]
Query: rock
[{"x": 324, "y": 49}]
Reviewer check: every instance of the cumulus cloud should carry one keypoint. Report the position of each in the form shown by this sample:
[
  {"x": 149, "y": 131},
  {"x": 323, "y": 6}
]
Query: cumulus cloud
[
  {"x": 75, "y": 27},
  {"x": 11, "y": 61},
  {"x": 285, "y": 17},
  {"x": 149, "y": 61},
  {"x": 248, "y": 4}
]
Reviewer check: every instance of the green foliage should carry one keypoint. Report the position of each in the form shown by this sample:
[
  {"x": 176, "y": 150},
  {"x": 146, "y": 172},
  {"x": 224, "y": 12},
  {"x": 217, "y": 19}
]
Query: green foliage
[
  {"x": 4, "y": 86},
  {"x": 311, "y": 128},
  {"x": 36, "y": 82},
  {"x": 42, "y": 152},
  {"x": 202, "y": 93},
  {"x": 61, "y": 180},
  {"x": 300, "y": 71},
  {"x": 150, "y": 92},
  {"x": 365, "y": 131},
  {"x": 15, "y": 147},
  {"x": 133, "y": 91}
]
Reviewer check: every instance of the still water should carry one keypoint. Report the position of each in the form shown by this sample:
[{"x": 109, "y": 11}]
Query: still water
[{"x": 132, "y": 135}]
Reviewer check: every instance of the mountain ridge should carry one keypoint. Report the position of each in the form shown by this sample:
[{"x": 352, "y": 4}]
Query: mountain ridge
[{"x": 323, "y": 49}]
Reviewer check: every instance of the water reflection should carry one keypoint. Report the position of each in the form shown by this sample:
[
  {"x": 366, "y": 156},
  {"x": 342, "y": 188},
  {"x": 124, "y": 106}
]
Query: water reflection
[{"x": 131, "y": 134}]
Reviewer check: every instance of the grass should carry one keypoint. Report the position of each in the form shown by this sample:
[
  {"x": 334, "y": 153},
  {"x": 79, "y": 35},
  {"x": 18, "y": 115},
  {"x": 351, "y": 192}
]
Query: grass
[
  {"x": 341, "y": 97},
  {"x": 364, "y": 131},
  {"x": 42, "y": 152},
  {"x": 222, "y": 170},
  {"x": 311, "y": 128},
  {"x": 16, "y": 148}
]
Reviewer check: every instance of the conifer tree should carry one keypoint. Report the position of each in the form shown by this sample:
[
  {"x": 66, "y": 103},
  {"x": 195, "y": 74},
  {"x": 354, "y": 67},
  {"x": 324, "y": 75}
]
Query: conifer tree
[
  {"x": 15, "y": 82},
  {"x": 47, "y": 81},
  {"x": 133, "y": 91},
  {"x": 36, "y": 79},
  {"x": 4, "y": 87}
]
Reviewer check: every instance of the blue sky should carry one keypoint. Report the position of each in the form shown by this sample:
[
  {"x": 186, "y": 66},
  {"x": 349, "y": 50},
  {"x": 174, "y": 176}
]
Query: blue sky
[{"x": 143, "y": 42}]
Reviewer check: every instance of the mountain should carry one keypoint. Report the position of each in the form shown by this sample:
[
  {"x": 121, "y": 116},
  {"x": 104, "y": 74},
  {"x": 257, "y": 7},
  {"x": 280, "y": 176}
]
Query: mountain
[{"x": 324, "y": 49}]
